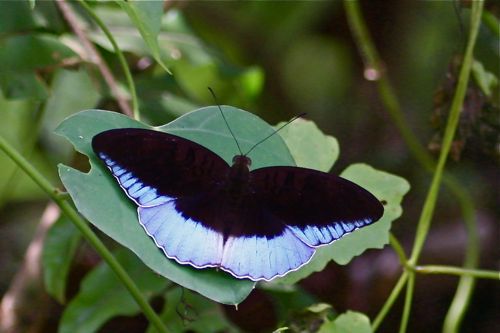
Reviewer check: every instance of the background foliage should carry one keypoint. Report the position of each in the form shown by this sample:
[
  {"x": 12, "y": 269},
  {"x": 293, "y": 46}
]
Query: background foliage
[{"x": 275, "y": 59}]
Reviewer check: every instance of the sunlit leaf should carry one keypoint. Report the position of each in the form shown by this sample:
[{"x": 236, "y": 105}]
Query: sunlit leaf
[{"x": 309, "y": 147}]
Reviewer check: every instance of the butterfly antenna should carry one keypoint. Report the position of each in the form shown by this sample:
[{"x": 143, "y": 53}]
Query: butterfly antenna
[
  {"x": 276, "y": 131},
  {"x": 225, "y": 120}
]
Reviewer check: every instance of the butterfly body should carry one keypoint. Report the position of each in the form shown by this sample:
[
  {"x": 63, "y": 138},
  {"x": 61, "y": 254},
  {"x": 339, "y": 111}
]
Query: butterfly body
[{"x": 257, "y": 224}]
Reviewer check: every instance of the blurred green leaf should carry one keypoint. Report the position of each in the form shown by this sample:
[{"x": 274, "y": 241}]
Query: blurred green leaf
[
  {"x": 232, "y": 84},
  {"x": 102, "y": 296},
  {"x": 200, "y": 314},
  {"x": 15, "y": 16},
  {"x": 486, "y": 81},
  {"x": 59, "y": 248},
  {"x": 175, "y": 39},
  {"x": 349, "y": 322},
  {"x": 71, "y": 90},
  {"x": 22, "y": 85},
  {"x": 21, "y": 53},
  {"x": 146, "y": 15},
  {"x": 319, "y": 307},
  {"x": 18, "y": 65},
  {"x": 15, "y": 127},
  {"x": 118, "y": 216},
  {"x": 389, "y": 189},
  {"x": 291, "y": 303},
  {"x": 308, "y": 145},
  {"x": 328, "y": 65}
]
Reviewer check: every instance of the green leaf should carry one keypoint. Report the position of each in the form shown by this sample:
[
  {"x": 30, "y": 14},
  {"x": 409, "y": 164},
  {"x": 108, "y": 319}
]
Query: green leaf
[
  {"x": 201, "y": 314},
  {"x": 319, "y": 307},
  {"x": 486, "y": 81},
  {"x": 102, "y": 296},
  {"x": 349, "y": 322},
  {"x": 71, "y": 90},
  {"x": 234, "y": 85},
  {"x": 175, "y": 39},
  {"x": 146, "y": 16},
  {"x": 18, "y": 63},
  {"x": 15, "y": 16},
  {"x": 22, "y": 85},
  {"x": 24, "y": 53},
  {"x": 60, "y": 246},
  {"x": 99, "y": 198},
  {"x": 387, "y": 188},
  {"x": 16, "y": 127},
  {"x": 309, "y": 147}
]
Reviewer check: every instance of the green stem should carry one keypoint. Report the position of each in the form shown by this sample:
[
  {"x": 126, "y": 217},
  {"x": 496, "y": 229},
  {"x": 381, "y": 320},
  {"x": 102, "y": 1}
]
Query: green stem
[
  {"x": 466, "y": 284},
  {"x": 454, "y": 116},
  {"x": 451, "y": 270},
  {"x": 89, "y": 235},
  {"x": 390, "y": 101},
  {"x": 430, "y": 202},
  {"x": 405, "y": 317},
  {"x": 390, "y": 301},
  {"x": 396, "y": 245},
  {"x": 121, "y": 58}
]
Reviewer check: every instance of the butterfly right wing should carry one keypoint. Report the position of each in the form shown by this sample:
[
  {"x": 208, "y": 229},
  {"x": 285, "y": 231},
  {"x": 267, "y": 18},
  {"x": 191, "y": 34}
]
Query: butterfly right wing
[
  {"x": 317, "y": 207},
  {"x": 154, "y": 167}
]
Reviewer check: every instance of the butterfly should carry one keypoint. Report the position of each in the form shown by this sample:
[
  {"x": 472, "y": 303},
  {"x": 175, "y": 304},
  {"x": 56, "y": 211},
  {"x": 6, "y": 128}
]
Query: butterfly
[{"x": 203, "y": 212}]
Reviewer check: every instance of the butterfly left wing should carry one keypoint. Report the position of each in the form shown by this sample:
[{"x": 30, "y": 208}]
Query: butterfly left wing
[
  {"x": 317, "y": 207},
  {"x": 153, "y": 167}
]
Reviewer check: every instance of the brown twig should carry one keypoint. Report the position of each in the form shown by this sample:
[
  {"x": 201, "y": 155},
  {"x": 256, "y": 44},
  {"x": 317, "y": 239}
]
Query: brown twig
[
  {"x": 24, "y": 306},
  {"x": 94, "y": 56}
]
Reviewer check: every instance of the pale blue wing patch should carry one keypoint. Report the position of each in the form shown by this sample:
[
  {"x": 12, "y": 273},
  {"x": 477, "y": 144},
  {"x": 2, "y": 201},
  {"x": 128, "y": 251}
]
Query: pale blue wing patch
[
  {"x": 141, "y": 194},
  {"x": 322, "y": 235},
  {"x": 180, "y": 238},
  {"x": 260, "y": 258}
]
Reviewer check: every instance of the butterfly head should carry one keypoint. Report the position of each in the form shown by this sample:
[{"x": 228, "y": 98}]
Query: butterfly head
[
  {"x": 242, "y": 161},
  {"x": 239, "y": 174}
]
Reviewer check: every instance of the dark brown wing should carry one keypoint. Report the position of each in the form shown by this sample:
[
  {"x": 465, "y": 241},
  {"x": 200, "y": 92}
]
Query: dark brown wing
[
  {"x": 318, "y": 207},
  {"x": 151, "y": 164}
]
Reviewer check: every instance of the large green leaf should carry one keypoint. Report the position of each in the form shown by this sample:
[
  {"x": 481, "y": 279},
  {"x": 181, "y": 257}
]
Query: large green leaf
[
  {"x": 102, "y": 296},
  {"x": 103, "y": 203}
]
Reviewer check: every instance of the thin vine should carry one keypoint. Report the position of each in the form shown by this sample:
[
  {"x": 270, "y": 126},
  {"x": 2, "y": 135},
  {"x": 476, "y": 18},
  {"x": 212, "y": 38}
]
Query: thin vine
[
  {"x": 87, "y": 233},
  {"x": 374, "y": 66},
  {"x": 121, "y": 58}
]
